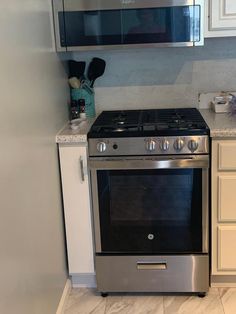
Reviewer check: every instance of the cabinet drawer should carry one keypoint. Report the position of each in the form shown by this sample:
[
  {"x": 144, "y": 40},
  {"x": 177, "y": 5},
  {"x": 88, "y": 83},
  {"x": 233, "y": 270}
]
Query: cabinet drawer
[
  {"x": 227, "y": 155},
  {"x": 227, "y": 198},
  {"x": 226, "y": 247}
]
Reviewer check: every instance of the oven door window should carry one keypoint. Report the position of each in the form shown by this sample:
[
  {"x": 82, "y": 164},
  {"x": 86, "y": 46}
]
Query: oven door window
[{"x": 144, "y": 211}]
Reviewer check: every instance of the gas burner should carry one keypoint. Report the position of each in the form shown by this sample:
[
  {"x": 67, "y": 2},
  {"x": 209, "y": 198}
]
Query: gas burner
[
  {"x": 120, "y": 119},
  {"x": 119, "y": 130},
  {"x": 178, "y": 121}
]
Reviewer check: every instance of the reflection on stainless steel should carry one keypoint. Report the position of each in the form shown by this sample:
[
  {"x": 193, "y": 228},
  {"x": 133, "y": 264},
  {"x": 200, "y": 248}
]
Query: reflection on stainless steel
[
  {"x": 144, "y": 162},
  {"x": 205, "y": 210}
]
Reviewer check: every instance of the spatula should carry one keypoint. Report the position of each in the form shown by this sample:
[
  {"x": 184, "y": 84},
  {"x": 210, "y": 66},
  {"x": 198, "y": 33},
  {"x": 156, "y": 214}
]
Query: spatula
[
  {"x": 80, "y": 68},
  {"x": 96, "y": 69},
  {"x": 76, "y": 68}
]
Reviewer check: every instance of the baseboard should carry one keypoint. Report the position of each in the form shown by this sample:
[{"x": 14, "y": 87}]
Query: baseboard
[
  {"x": 66, "y": 291},
  {"x": 223, "y": 281},
  {"x": 83, "y": 280},
  {"x": 223, "y": 285}
]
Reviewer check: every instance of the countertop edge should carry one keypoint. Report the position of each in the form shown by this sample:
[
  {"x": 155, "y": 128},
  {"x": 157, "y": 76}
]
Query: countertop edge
[
  {"x": 79, "y": 136},
  {"x": 220, "y": 125}
]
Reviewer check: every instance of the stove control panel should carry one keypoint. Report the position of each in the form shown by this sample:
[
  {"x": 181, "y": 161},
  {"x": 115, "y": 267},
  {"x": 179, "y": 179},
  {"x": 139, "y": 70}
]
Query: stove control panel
[{"x": 169, "y": 145}]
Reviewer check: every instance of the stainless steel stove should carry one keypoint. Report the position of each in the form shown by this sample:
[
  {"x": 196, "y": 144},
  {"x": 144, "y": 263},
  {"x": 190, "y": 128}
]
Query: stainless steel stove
[
  {"x": 149, "y": 176},
  {"x": 145, "y": 132}
]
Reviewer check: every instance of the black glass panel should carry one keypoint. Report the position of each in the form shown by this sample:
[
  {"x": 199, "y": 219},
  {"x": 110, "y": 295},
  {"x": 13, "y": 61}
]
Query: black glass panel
[
  {"x": 127, "y": 26},
  {"x": 93, "y": 28},
  {"x": 151, "y": 211}
]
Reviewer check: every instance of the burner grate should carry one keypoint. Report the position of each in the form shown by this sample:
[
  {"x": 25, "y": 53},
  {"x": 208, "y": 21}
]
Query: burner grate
[{"x": 151, "y": 122}]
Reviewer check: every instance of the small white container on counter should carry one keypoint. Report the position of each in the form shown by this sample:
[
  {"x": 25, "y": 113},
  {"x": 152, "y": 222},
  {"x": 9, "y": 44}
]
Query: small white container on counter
[{"x": 221, "y": 104}]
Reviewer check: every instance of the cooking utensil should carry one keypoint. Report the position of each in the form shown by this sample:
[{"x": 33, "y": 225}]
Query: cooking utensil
[
  {"x": 80, "y": 68},
  {"x": 72, "y": 68},
  {"x": 74, "y": 82},
  {"x": 76, "y": 68},
  {"x": 96, "y": 69}
]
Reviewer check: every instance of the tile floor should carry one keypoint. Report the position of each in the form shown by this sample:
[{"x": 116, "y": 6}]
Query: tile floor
[{"x": 88, "y": 301}]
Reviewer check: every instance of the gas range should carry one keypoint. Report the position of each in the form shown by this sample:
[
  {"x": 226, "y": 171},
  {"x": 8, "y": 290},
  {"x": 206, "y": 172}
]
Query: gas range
[
  {"x": 149, "y": 173},
  {"x": 149, "y": 132}
]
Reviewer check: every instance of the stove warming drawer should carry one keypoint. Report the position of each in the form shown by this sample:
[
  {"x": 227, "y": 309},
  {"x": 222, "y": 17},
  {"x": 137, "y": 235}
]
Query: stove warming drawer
[{"x": 175, "y": 273}]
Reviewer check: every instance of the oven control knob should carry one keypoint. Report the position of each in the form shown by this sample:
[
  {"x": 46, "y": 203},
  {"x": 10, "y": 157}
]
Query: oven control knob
[
  {"x": 101, "y": 147},
  {"x": 192, "y": 145},
  {"x": 164, "y": 145},
  {"x": 150, "y": 145},
  {"x": 178, "y": 144}
]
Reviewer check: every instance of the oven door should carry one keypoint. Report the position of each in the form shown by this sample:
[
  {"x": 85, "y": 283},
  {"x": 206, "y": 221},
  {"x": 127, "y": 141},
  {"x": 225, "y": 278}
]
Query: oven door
[{"x": 150, "y": 205}]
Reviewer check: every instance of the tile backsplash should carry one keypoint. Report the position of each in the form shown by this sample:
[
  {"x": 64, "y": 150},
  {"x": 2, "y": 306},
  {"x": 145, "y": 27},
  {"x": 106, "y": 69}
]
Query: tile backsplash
[{"x": 163, "y": 77}]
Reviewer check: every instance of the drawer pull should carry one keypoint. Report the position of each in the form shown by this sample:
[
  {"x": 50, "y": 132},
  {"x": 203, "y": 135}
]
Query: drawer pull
[{"x": 151, "y": 266}]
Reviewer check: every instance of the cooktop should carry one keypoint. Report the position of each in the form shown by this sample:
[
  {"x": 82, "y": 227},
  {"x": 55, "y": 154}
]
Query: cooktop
[{"x": 149, "y": 122}]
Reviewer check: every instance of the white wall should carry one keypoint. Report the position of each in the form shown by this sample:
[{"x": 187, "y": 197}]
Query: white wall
[{"x": 33, "y": 95}]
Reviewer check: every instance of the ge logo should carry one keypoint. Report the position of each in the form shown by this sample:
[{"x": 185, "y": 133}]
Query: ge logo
[{"x": 150, "y": 236}]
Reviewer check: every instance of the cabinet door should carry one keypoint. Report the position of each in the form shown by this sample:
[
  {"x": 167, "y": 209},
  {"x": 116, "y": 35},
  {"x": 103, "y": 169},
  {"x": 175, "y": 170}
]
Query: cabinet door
[
  {"x": 226, "y": 248},
  {"x": 75, "y": 186},
  {"x": 227, "y": 198},
  {"x": 226, "y": 155},
  {"x": 221, "y": 18}
]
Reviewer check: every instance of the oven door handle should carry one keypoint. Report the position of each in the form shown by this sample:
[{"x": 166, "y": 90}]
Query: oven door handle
[{"x": 149, "y": 163}]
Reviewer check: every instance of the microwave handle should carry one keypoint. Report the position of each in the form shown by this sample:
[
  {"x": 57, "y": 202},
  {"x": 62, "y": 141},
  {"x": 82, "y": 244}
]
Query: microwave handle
[
  {"x": 201, "y": 4},
  {"x": 149, "y": 163}
]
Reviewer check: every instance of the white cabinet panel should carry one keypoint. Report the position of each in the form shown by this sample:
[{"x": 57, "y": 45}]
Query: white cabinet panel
[
  {"x": 220, "y": 18},
  {"x": 223, "y": 14},
  {"x": 227, "y": 248},
  {"x": 227, "y": 198},
  {"x": 73, "y": 161},
  {"x": 227, "y": 155},
  {"x": 230, "y": 7},
  {"x": 223, "y": 207}
]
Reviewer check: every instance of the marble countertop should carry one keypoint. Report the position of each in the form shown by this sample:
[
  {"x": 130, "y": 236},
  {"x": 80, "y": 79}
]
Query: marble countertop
[
  {"x": 220, "y": 124},
  {"x": 67, "y": 135}
]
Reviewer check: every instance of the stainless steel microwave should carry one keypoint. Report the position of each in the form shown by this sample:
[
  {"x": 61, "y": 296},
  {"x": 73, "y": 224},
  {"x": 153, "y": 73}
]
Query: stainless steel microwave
[{"x": 109, "y": 24}]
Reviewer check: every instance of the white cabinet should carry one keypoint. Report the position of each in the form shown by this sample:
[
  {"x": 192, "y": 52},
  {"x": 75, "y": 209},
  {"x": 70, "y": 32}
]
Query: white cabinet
[
  {"x": 76, "y": 197},
  {"x": 226, "y": 248},
  {"x": 224, "y": 207},
  {"x": 220, "y": 18}
]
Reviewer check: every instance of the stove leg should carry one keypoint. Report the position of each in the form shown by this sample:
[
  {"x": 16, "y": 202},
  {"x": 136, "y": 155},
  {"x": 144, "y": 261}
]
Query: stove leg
[
  {"x": 201, "y": 294},
  {"x": 104, "y": 294}
]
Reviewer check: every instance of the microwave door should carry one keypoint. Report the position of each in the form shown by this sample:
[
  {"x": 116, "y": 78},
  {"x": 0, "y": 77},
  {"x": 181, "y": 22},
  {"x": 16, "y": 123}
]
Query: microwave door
[{"x": 103, "y": 24}]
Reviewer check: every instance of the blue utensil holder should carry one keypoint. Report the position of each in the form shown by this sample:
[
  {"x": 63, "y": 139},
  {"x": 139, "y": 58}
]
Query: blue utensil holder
[{"x": 88, "y": 96}]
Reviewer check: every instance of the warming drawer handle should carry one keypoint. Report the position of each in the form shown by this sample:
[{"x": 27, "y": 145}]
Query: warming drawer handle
[{"x": 151, "y": 266}]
